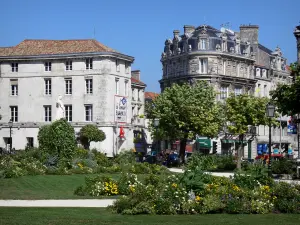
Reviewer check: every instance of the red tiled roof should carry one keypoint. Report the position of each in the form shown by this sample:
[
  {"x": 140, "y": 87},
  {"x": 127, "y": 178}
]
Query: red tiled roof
[
  {"x": 151, "y": 95},
  {"x": 136, "y": 81},
  {"x": 53, "y": 47}
]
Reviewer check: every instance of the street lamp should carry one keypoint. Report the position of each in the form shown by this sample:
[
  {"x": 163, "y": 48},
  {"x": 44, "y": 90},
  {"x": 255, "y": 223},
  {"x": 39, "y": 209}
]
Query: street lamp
[
  {"x": 10, "y": 124},
  {"x": 270, "y": 111},
  {"x": 156, "y": 124}
]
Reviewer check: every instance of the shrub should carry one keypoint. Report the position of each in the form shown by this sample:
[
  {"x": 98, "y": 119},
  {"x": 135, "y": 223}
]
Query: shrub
[
  {"x": 282, "y": 166},
  {"x": 125, "y": 157},
  {"x": 58, "y": 139},
  {"x": 212, "y": 204},
  {"x": 101, "y": 158},
  {"x": 90, "y": 133}
]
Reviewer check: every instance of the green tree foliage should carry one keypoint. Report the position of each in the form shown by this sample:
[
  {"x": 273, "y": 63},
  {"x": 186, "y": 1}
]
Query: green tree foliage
[
  {"x": 90, "y": 133},
  {"x": 185, "y": 111},
  {"x": 58, "y": 139},
  {"x": 243, "y": 111},
  {"x": 287, "y": 96}
]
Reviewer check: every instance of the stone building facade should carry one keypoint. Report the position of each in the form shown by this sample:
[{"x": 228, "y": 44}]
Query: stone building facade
[
  {"x": 91, "y": 78},
  {"x": 232, "y": 62}
]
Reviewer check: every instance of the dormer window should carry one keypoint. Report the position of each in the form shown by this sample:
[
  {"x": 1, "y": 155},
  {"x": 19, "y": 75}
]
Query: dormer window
[
  {"x": 203, "y": 44},
  {"x": 264, "y": 73},
  {"x": 257, "y": 72}
]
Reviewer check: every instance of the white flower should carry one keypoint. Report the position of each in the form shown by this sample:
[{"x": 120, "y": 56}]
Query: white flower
[{"x": 193, "y": 210}]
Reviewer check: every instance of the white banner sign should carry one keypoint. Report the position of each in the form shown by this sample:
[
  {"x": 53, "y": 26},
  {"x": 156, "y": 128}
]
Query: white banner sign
[{"x": 120, "y": 109}]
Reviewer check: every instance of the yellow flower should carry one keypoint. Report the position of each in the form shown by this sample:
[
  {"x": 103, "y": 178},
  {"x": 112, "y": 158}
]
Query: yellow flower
[
  {"x": 174, "y": 185},
  {"x": 235, "y": 188},
  {"x": 80, "y": 165},
  {"x": 198, "y": 199}
]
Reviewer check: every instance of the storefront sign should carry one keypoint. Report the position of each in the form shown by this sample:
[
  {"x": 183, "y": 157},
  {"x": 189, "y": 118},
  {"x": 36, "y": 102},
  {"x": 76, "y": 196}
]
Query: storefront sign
[
  {"x": 120, "y": 109},
  {"x": 292, "y": 129}
]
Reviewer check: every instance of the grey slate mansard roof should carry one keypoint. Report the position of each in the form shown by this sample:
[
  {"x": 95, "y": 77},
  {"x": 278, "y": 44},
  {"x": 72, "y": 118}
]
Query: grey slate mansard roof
[{"x": 265, "y": 49}]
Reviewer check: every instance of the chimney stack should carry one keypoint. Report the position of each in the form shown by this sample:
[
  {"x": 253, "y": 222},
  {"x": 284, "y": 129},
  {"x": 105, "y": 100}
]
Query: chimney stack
[
  {"x": 188, "y": 29},
  {"x": 136, "y": 74},
  {"x": 176, "y": 33}
]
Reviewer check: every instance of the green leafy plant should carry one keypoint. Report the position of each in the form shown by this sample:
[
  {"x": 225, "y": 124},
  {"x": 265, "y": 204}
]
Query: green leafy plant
[{"x": 90, "y": 133}]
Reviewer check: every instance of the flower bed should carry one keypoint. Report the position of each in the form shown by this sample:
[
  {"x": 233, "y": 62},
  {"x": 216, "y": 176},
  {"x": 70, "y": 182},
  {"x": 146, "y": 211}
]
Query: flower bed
[{"x": 197, "y": 193}]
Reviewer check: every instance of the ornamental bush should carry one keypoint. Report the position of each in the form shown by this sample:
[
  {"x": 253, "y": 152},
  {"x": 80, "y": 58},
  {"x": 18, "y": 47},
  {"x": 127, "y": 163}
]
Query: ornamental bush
[
  {"x": 90, "y": 133},
  {"x": 58, "y": 139}
]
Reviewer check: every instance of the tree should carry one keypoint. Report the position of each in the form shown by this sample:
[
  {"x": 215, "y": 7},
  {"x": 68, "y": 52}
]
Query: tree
[
  {"x": 287, "y": 96},
  {"x": 185, "y": 111},
  {"x": 90, "y": 133},
  {"x": 58, "y": 139},
  {"x": 243, "y": 111}
]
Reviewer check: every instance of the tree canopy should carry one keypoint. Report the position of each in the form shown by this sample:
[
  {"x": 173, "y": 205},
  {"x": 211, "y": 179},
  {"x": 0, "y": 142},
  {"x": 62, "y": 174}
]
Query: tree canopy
[
  {"x": 185, "y": 111},
  {"x": 243, "y": 111},
  {"x": 287, "y": 96},
  {"x": 90, "y": 133}
]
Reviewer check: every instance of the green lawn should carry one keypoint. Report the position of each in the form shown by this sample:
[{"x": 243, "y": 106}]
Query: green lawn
[
  {"x": 44, "y": 187},
  {"x": 71, "y": 216}
]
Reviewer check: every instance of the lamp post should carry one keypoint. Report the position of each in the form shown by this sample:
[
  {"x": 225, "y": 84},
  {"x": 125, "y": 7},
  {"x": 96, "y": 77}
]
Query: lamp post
[
  {"x": 156, "y": 124},
  {"x": 10, "y": 124},
  {"x": 270, "y": 111}
]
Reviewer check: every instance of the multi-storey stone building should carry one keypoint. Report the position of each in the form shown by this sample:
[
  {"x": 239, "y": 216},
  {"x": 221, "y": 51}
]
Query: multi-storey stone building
[
  {"x": 233, "y": 62},
  {"x": 92, "y": 79}
]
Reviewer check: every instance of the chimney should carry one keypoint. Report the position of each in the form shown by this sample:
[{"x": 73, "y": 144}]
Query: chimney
[
  {"x": 188, "y": 29},
  {"x": 249, "y": 33},
  {"x": 136, "y": 74},
  {"x": 176, "y": 33}
]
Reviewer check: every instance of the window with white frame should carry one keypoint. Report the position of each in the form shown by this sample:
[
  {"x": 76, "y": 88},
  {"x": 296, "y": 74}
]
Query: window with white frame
[
  {"x": 117, "y": 86},
  {"x": 202, "y": 66},
  {"x": 264, "y": 73},
  {"x": 89, "y": 86},
  {"x": 126, "y": 88},
  {"x": 48, "y": 113},
  {"x": 48, "y": 87},
  {"x": 258, "y": 90},
  {"x": 14, "y": 67},
  {"x": 258, "y": 72},
  {"x": 133, "y": 93},
  {"x": 68, "y": 112},
  {"x": 238, "y": 91},
  {"x": 224, "y": 92},
  {"x": 265, "y": 91},
  {"x": 117, "y": 65},
  {"x": 139, "y": 93},
  {"x": 202, "y": 44},
  {"x": 68, "y": 83},
  {"x": 14, "y": 87},
  {"x": 127, "y": 67},
  {"x": 48, "y": 66},
  {"x": 14, "y": 113},
  {"x": 69, "y": 65},
  {"x": 88, "y": 113},
  {"x": 89, "y": 64}
]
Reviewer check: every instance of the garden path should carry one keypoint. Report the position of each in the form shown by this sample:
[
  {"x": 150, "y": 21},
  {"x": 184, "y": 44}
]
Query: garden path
[{"x": 57, "y": 203}]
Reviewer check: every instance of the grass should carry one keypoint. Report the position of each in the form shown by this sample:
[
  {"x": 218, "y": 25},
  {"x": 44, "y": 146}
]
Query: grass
[
  {"x": 44, "y": 187},
  {"x": 99, "y": 216}
]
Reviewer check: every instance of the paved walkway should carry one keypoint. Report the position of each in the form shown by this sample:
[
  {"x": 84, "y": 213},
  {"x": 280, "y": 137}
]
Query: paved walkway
[{"x": 57, "y": 203}]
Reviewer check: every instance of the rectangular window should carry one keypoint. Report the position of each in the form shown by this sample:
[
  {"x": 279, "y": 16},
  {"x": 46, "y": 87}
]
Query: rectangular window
[
  {"x": 68, "y": 112},
  {"x": 68, "y": 86},
  {"x": 30, "y": 142},
  {"x": 14, "y": 113},
  {"x": 265, "y": 91},
  {"x": 48, "y": 86},
  {"x": 48, "y": 113},
  {"x": 126, "y": 67},
  {"x": 139, "y": 99},
  {"x": 202, "y": 44},
  {"x": 14, "y": 87},
  {"x": 237, "y": 91},
  {"x": 258, "y": 90},
  {"x": 47, "y": 66},
  {"x": 89, "y": 86},
  {"x": 69, "y": 65},
  {"x": 88, "y": 113},
  {"x": 89, "y": 64},
  {"x": 126, "y": 88},
  {"x": 14, "y": 67},
  {"x": 224, "y": 92},
  {"x": 203, "y": 66},
  {"x": 117, "y": 65},
  {"x": 133, "y": 94},
  {"x": 117, "y": 86}
]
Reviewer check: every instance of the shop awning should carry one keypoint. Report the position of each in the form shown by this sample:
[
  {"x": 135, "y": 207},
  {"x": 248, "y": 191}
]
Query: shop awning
[{"x": 204, "y": 143}]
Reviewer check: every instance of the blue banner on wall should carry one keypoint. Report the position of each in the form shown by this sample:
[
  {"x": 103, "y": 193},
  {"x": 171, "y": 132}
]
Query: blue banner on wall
[{"x": 292, "y": 129}]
